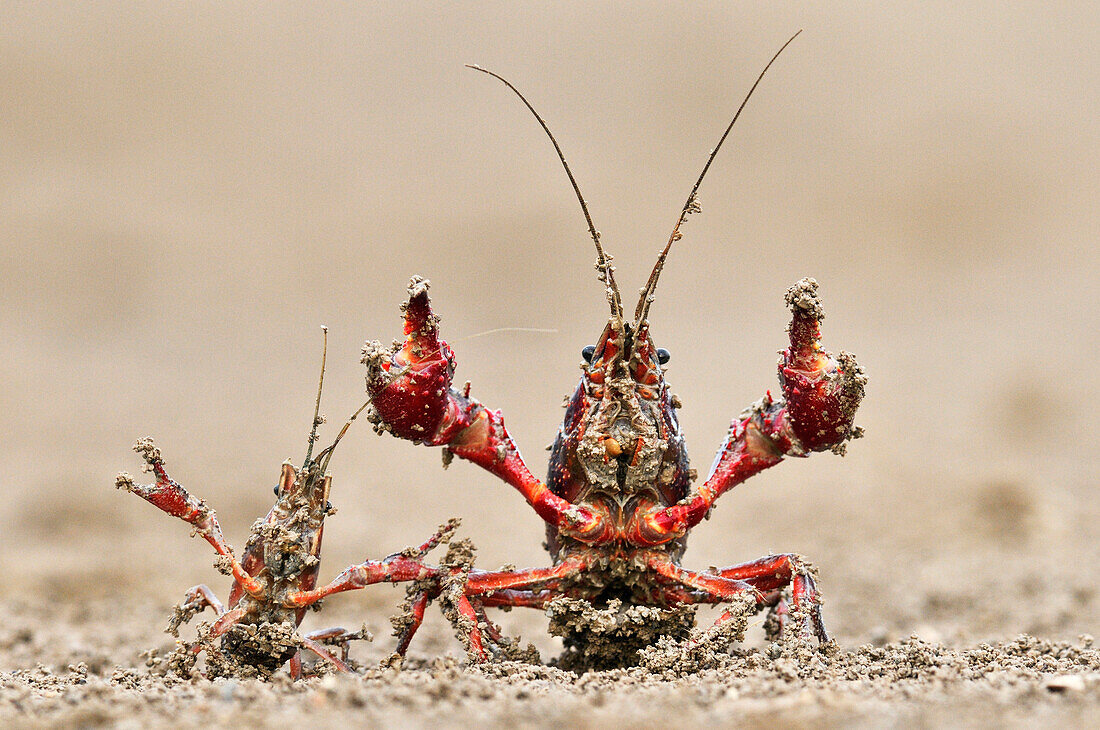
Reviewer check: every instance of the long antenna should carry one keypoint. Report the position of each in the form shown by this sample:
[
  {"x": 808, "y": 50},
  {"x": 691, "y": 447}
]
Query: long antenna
[
  {"x": 692, "y": 204},
  {"x": 603, "y": 261},
  {"x": 317, "y": 406},
  {"x": 325, "y": 456}
]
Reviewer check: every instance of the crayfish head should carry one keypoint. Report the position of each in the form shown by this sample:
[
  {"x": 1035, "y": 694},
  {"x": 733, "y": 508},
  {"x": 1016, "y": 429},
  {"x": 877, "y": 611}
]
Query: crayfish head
[
  {"x": 621, "y": 437},
  {"x": 285, "y": 546},
  {"x": 626, "y": 356},
  {"x": 307, "y": 487}
]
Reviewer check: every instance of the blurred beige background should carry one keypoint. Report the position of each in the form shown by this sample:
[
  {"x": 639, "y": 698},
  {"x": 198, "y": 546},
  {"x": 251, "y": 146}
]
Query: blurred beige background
[{"x": 188, "y": 192}]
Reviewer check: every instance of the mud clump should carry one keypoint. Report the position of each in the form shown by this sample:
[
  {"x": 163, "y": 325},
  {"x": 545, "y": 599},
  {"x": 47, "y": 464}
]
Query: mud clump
[
  {"x": 702, "y": 649},
  {"x": 265, "y": 646},
  {"x": 803, "y": 297},
  {"x": 612, "y": 637},
  {"x": 254, "y": 650}
]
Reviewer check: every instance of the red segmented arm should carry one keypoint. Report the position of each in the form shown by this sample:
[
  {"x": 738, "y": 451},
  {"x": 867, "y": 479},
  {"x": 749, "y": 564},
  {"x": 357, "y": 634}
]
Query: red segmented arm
[
  {"x": 169, "y": 495},
  {"x": 491, "y": 582},
  {"x": 821, "y": 394},
  {"x": 401, "y": 567},
  {"x": 410, "y": 388},
  {"x": 394, "y": 569}
]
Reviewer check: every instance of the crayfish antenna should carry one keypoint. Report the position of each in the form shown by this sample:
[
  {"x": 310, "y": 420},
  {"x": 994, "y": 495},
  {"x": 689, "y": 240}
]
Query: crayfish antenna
[
  {"x": 603, "y": 260},
  {"x": 692, "y": 204},
  {"x": 317, "y": 406},
  {"x": 325, "y": 455}
]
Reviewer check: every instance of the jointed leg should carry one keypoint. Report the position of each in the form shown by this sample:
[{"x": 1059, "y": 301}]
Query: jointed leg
[
  {"x": 194, "y": 601},
  {"x": 490, "y": 629},
  {"x": 413, "y": 399},
  {"x": 467, "y": 624},
  {"x": 821, "y": 394},
  {"x": 413, "y": 618},
  {"x": 696, "y": 587},
  {"x": 199, "y": 597},
  {"x": 339, "y": 636},
  {"x": 394, "y": 569},
  {"x": 718, "y": 587},
  {"x": 776, "y": 572},
  {"x": 469, "y": 597},
  {"x": 313, "y": 642},
  {"x": 220, "y": 627},
  {"x": 226, "y": 621},
  {"x": 519, "y": 599},
  {"x": 400, "y": 567},
  {"x": 406, "y": 566},
  {"x": 296, "y": 665},
  {"x": 324, "y": 653},
  {"x": 486, "y": 583},
  {"x": 168, "y": 495},
  {"x": 498, "y": 588}
]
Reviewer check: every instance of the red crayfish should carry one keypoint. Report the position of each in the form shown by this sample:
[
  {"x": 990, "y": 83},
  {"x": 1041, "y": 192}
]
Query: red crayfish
[
  {"x": 619, "y": 499},
  {"x": 274, "y": 581}
]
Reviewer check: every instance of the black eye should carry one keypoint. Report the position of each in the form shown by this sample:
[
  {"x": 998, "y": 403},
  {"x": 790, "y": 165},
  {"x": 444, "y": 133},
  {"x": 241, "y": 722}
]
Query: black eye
[
  {"x": 276, "y": 490},
  {"x": 588, "y": 352},
  {"x": 663, "y": 355}
]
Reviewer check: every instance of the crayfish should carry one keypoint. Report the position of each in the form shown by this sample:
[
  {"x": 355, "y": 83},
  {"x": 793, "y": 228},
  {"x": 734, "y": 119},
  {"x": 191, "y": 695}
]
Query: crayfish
[
  {"x": 619, "y": 499},
  {"x": 274, "y": 581}
]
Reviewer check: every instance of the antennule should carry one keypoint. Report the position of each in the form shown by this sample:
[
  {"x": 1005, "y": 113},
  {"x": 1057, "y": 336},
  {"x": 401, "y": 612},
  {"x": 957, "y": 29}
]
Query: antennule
[
  {"x": 692, "y": 204},
  {"x": 603, "y": 261}
]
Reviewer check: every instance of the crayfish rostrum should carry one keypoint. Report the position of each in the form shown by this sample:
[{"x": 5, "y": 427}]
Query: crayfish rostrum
[{"x": 619, "y": 498}]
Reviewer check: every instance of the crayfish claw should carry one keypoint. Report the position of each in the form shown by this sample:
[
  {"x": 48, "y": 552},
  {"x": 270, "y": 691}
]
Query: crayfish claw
[
  {"x": 822, "y": 391},
  {"x": 410, "y": 382}
]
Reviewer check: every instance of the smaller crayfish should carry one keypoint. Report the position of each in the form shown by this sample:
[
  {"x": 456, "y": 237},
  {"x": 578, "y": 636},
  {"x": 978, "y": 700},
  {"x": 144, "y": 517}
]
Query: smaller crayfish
[{"x": 274, "y": 581}]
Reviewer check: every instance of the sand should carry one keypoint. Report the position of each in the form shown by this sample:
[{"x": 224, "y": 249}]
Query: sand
[{"x": 81, "y": 674}]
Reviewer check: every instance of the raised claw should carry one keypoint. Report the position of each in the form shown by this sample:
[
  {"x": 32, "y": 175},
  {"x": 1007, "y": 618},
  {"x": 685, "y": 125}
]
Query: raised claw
[
  {"x": 822, "y": 391},
  {"x": 169, "y": 496},
  {"x": 820, "y": 396},
  {"x": 409, "y": 382},
  {"x": 410, "y": 388}
]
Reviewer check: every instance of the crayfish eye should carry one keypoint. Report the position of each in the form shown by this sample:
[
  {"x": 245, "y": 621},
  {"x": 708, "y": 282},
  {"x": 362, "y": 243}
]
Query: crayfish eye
[
  {"x": 663, "y": 355},
  {"x": 588, "y": 352}
]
